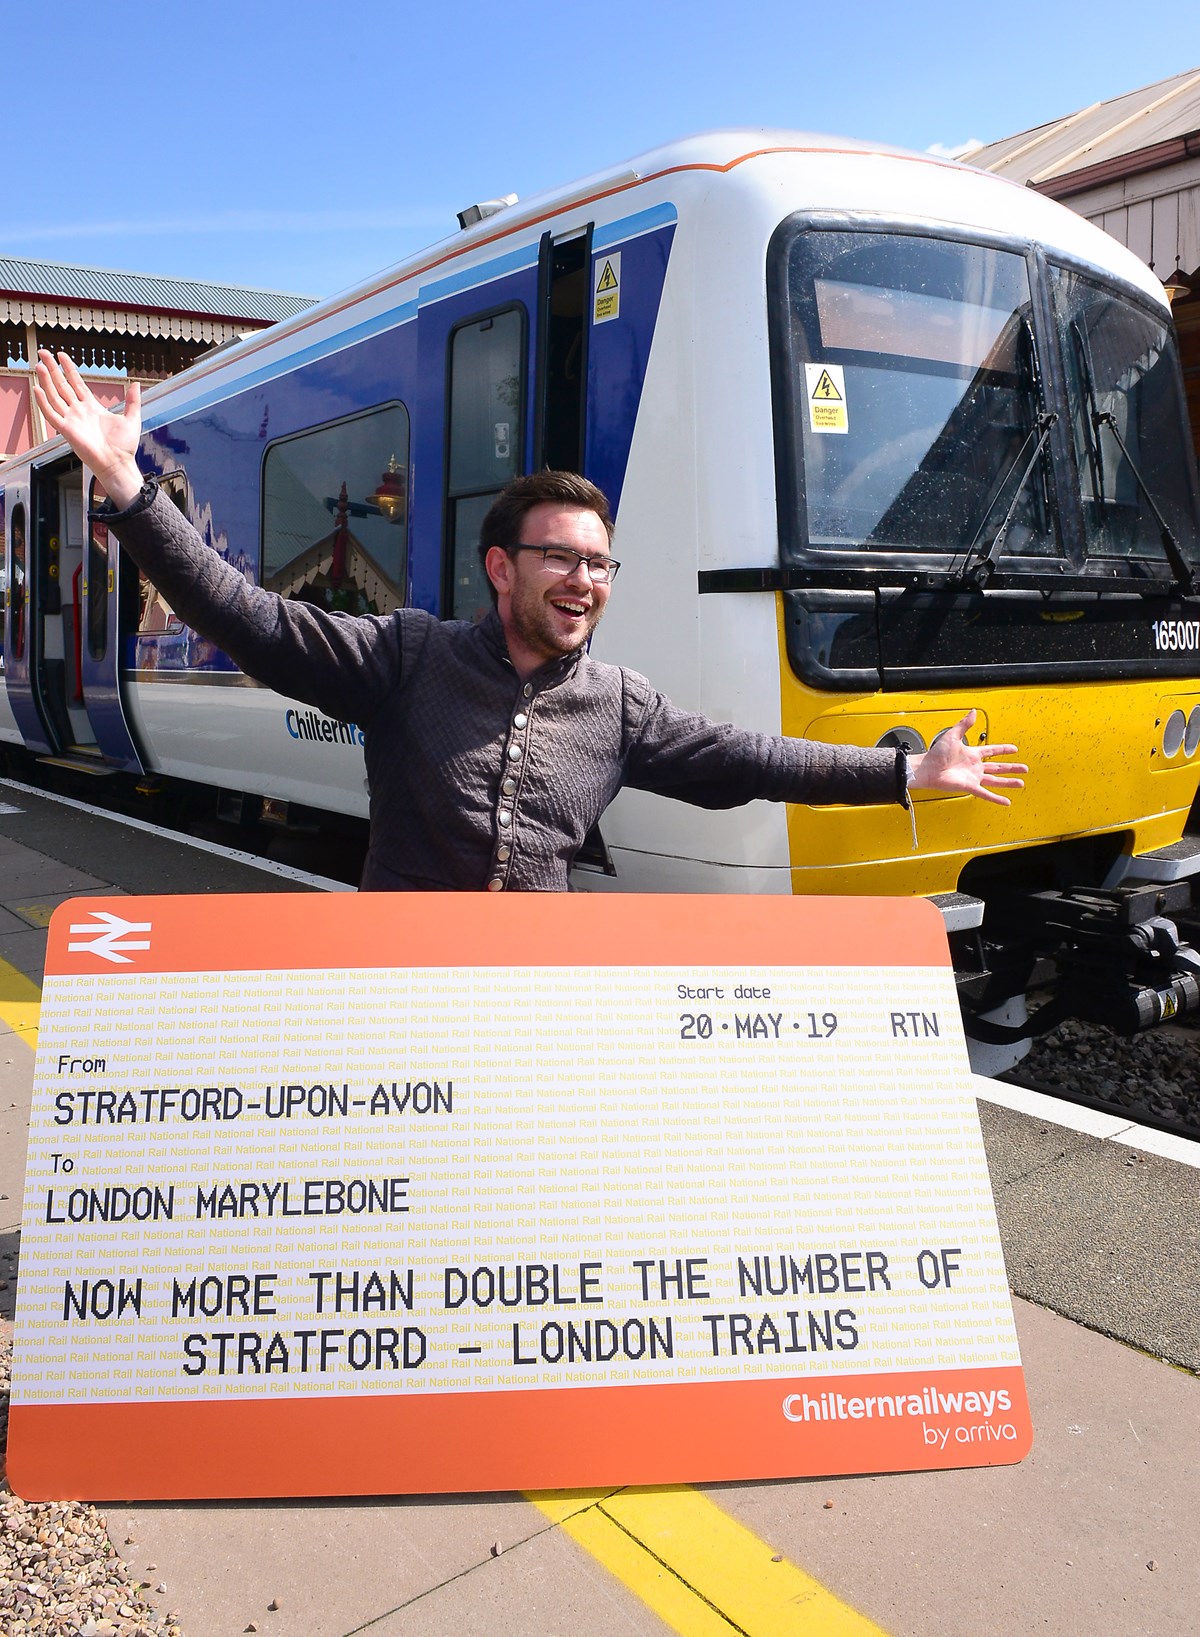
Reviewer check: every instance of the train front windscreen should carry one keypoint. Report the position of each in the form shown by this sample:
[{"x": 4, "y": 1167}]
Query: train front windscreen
[{"x": 924, "y": 406}]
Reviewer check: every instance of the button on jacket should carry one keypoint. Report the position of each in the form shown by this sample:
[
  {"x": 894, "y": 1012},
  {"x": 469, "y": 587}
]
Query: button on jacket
[{"x": 480, "y": 781}]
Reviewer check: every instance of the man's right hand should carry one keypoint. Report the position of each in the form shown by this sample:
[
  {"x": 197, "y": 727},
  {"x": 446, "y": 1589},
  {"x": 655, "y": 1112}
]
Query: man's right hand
[{"x": 106, "y": 442}]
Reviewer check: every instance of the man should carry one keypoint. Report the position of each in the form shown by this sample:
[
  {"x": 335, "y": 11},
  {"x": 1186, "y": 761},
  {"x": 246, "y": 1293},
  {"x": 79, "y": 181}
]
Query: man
[{"x": 491, "y": 749}]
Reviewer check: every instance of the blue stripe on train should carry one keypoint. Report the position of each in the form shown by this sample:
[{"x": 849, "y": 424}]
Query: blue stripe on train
[{"x": 606, "y": 237}]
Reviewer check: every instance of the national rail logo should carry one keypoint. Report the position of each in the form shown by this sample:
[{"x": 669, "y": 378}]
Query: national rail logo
[{"x": 108, "y": 936}]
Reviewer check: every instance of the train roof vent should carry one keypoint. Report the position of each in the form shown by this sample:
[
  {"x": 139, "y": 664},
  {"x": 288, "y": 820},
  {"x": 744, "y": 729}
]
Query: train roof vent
[{"x": 489, "y": 207}]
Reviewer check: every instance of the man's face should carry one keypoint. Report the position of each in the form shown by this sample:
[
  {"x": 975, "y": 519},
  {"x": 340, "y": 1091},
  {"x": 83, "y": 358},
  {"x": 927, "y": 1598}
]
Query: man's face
[{"x": 548, "y": 615}]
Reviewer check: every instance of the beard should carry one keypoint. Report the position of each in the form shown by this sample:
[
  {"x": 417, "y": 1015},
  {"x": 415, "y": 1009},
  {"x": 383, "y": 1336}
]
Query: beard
[{"x": 545, "y": 629}]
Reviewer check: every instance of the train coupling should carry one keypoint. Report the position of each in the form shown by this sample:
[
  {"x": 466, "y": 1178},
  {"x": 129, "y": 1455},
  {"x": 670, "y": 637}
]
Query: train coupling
[
  {"x": 1113, "y": 956},
  {"x": 1171, "y": 970}
]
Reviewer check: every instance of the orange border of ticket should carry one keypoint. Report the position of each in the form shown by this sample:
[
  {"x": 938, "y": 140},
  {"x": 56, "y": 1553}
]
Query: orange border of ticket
[
  {"x": 541, "y": 1438},
  {"x": 299, "y": 931}
]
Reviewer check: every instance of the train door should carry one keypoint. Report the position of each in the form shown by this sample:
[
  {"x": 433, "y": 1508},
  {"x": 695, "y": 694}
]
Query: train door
[
  {"x": 562, "y": 353},
  {"x": 488, "y": 436},
  {"x": 485, "y": 438},
  {"x": 109, "y": 615},
  {"x": 21, "y": 623},
  {"x": 9, "y": 732},
  {"x": 43, "y": 648},
  {"x": 57, "y": 561}
]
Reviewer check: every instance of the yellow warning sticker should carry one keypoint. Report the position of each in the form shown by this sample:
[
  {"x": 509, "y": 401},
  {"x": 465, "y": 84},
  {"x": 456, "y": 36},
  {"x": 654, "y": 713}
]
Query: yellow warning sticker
[
  {"x": 1169, "y": 1006},
  {"x": 825, "y": 388},
  {"x": 607, "y": 293}
]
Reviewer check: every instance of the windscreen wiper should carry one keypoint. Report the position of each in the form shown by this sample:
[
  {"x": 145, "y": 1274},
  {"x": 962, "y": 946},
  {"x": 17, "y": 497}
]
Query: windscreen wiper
[
  {"x": 980, "y": 571},
  {"x": 1095, "y": 450},
  {"x": 1183, "y": 571}
]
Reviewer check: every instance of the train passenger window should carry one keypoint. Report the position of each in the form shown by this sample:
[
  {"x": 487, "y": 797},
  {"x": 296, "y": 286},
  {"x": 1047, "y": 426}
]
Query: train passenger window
[
  {"x": 98, "y": 588},
  {"x": 908, "y": 387},
  {"x": 1127, "y": 419},
  {"x": 3, "y": 577},
  {"x": 335, "y": 513},
  {"x": 486, "y": 430}
]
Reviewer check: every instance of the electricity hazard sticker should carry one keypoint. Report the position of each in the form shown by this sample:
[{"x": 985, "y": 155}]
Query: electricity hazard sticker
[
  {"x": 607, "y": 275},
  {"x": 825, "y": 388}
]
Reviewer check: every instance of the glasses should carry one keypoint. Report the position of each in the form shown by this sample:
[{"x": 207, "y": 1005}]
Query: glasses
[{"x": 562, "y": 560}]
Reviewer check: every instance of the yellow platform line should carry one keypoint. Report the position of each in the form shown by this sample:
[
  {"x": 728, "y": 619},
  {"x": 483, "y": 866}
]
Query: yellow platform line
[
  {"x": 20, "y": 1004},
  {"x": 703, "y": 1573}
]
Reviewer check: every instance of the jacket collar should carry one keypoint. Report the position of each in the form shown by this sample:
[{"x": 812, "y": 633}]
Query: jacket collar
[{"x": 547, "y": 675}]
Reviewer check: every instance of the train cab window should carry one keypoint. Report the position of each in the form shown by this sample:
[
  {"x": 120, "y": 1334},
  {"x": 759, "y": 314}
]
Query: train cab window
[
  {"x": 907, "y": 390},
  {"x": 486, "y": 435},
  {"x": 335, "y": 513},
  {"x": 1127, "y": 420},
  {"x": 17, "y": 571}
]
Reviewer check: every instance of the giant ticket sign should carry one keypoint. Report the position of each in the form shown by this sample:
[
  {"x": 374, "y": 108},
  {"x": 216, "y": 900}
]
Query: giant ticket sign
[{"x": 458, "y": 1192}]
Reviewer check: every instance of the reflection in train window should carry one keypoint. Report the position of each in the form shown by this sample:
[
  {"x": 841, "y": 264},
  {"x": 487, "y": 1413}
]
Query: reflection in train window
[
  {"x": 155, "y": 614},
  {"x": 485, "y": 437},
  {"x": 912, "y": 395},
  {"x": 335, "y": 514},
  {"x": 1121, "y": 363}
]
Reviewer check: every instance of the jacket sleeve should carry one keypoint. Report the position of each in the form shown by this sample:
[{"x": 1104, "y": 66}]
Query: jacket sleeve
[
  {"x": 341, "y": 664},
  {"x": 712, "y": 764}
]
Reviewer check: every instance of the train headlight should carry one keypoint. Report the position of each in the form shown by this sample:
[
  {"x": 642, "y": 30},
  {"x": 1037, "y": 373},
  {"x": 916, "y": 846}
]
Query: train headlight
[
  {"x": 905, "y": 739},
  {"x": 1191, "y": 739},
  {"x": 1173, "y": 733}
]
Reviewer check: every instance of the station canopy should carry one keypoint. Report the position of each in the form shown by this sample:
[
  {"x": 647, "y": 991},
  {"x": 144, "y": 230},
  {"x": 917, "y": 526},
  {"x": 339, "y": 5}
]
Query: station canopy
[
  {"x": 114, "y": 325},
  {"x": 1130, "y": 165}
]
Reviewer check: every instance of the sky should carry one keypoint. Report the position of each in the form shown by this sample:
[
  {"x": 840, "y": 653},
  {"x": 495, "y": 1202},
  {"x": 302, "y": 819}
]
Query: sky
[{"x": 304, "y": 147}]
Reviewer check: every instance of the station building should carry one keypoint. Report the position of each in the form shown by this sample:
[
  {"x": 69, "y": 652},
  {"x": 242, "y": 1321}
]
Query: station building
[
  {"x": 1132, "y": 166},
  {"x": 116, "y": 326}
]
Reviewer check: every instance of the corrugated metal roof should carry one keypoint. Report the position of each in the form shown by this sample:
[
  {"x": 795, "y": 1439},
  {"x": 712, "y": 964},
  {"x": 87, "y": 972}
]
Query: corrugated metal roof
[
  {"x": 1104, "y": 131},
  {"x": 105, "y": 287}
]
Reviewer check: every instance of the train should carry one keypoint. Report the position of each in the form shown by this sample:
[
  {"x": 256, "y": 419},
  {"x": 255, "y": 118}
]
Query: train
[{"x": 886, "y": 439}]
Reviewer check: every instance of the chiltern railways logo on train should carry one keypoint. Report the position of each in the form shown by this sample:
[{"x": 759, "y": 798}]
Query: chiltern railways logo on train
[{"x": 108, "y": 936}]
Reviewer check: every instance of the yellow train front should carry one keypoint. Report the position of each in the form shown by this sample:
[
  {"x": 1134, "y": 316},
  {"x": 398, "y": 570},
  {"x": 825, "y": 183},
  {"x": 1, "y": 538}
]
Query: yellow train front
[{"x": 932, "y": 442}]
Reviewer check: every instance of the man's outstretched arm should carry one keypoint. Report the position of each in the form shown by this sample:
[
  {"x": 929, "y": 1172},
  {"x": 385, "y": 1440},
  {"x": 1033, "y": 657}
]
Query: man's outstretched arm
[{"x": 712, "y": 764}]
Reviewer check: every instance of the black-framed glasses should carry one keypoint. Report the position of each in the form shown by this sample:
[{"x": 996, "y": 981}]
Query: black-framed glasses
[{"x": 562, "y": 560}]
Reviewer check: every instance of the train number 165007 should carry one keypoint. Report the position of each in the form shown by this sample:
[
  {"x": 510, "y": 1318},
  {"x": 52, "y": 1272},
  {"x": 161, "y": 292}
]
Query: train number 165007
[{"x": 1176, "y": 636}]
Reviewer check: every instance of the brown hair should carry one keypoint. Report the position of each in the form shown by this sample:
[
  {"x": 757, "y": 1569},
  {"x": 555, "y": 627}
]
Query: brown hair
[{"x": 506, "y": 516}]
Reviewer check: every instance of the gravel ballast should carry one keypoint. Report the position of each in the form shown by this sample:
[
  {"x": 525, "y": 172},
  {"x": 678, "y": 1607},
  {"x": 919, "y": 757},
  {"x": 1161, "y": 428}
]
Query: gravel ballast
[
  {"x": 1154, "y": 1076},
  {"x": 60, "y": 1574}
]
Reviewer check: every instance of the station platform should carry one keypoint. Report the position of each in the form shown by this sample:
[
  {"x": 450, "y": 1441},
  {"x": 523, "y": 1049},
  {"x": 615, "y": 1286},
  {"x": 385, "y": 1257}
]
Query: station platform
[{"x": 1093, "y": 1533}]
